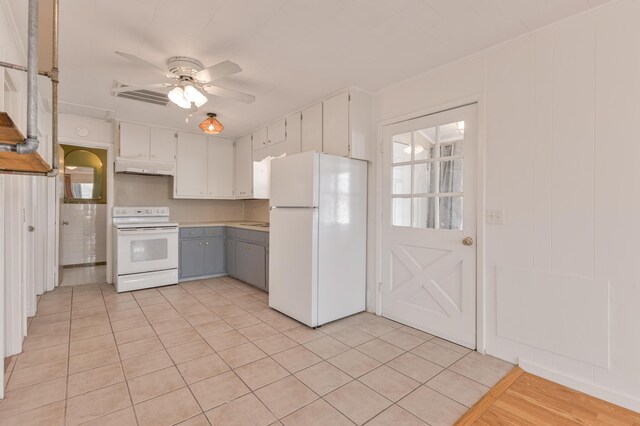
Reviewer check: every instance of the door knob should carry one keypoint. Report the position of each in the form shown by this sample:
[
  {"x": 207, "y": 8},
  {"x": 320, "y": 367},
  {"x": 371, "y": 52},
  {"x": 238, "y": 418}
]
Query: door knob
[{"x": 467, "y": 241}]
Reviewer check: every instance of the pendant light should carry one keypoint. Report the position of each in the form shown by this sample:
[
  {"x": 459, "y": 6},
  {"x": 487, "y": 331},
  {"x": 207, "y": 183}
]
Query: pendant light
[{"x": 211, "y": 125}]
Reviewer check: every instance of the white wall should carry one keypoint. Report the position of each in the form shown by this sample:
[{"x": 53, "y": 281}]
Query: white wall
[{"x": 560, "y": 111}]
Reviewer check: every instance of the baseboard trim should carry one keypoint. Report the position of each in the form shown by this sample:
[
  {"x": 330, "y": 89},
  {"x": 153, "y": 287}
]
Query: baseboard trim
[{"x": 582, "y": 386}]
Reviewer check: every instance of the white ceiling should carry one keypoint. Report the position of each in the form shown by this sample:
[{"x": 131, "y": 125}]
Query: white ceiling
[{"x": 292, "y": 51}]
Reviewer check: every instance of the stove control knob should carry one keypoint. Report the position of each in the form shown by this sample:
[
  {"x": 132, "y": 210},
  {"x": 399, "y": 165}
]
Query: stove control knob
[{"x": 149, "y": 211}]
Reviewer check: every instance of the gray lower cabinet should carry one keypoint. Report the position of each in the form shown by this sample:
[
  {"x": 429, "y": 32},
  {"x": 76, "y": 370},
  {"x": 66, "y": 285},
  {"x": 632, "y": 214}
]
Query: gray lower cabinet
[
  {"x": 191, "y": 258},
  {"x": 248, "y": 256},
  {"x": 202, "y": 252},
  {"x": 231, "y": 257},
  {"x": 251, "y": 264},
  {"x": 214, "y": 256}
]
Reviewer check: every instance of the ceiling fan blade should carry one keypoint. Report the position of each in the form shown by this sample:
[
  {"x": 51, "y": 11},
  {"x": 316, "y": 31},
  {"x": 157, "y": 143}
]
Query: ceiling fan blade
[
  {"x": 143, "y": 62},
  {"x": 142, "y": 87},
  {"x": 217, "y": 71},
  {"x": 229, "y": 93}
]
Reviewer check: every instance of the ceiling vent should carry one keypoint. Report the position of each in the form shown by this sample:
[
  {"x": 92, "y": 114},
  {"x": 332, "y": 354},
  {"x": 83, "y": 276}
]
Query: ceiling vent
[{"x": 142, "y": 95}]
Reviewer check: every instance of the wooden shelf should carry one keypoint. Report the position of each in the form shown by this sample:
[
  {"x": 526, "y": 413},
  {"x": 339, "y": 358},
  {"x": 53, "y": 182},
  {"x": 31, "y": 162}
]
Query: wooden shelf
[
  {"x": 13, "y": 162},
  {"x": 9, "y": 133}
]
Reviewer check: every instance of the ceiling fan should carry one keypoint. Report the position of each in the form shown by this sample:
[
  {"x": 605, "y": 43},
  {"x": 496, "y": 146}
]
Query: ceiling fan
[{"x": 191, "y": 80}]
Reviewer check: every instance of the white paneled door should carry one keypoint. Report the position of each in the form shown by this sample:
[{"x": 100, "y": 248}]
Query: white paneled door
[{"x": 429, "y": 224}]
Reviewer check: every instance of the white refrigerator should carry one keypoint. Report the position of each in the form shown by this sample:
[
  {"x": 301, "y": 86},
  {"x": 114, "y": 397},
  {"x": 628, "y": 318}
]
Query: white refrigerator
[{"x": 318, "y": 237}]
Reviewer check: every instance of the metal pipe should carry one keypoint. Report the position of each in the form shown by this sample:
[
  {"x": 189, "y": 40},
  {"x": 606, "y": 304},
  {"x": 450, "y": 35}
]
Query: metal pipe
[
  {"x": 55, "y": 160},
  {"x": 23, "y": 68},
  {"x": 31, "y": 142}
]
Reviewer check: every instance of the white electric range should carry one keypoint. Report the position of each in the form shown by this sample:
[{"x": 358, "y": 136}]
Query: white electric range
[{"x": 145, "y": 249}]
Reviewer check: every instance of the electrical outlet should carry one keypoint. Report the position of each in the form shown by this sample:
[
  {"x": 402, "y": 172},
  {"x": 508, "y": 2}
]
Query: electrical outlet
[{"x": 495, "y": 216}]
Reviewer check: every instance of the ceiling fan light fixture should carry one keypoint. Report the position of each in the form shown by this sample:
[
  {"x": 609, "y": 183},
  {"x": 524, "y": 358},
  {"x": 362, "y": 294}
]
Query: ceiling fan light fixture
[
  {"x": 211, "y": 125},
  {"x": 192, "y": 94},
  {"x": 177, "y": 97}
]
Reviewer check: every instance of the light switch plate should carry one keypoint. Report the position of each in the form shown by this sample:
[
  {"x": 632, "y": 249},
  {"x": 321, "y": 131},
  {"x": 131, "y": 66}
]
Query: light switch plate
[{"x": 495, "y": 216}]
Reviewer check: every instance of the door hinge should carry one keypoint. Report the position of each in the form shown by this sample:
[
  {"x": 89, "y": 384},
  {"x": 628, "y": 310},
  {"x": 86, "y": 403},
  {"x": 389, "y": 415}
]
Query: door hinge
[
  {"x": 379, "y": 287},
  {"x": 349, "y": 97},
  {"x": 381, "y": 147}
]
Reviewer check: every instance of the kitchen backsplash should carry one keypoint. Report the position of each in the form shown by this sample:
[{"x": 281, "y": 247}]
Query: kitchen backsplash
[
  {"x": 256, "y": 210},
  {"x": 138, "y": 190}
]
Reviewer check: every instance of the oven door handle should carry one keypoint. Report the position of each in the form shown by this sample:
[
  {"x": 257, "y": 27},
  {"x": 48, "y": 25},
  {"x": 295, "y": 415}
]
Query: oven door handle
[{"x": 147, "y": 231}]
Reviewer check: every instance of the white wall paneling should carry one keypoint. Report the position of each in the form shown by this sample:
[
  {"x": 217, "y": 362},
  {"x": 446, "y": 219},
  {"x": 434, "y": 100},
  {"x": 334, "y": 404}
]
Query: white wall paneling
[
  {"x": 531, "y": 301},
  {"x": 3, "y": 317},
  {"x": 561, "y": 106}
]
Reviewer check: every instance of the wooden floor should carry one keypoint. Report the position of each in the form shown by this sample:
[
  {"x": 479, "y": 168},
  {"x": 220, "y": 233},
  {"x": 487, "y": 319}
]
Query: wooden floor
[{"x": 524, "y": 399}]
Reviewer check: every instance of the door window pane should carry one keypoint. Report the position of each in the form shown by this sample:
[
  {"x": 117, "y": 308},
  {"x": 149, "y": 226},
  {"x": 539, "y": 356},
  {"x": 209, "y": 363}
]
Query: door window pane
[
  {"x": 402, "y": 148},
  {"x": 424, "y": 212},
  {"x": 451, "y": 132},
  {"x": 401, "y": 180},
  {"x": 450, "y": 213},
  {"x": 423, "y": 178},
  {"x": 451, "y": 176},
  {"x": 401, "y": 214},
  {"x": 425, "y": 142},
  {"x": 449, "y": 149}
]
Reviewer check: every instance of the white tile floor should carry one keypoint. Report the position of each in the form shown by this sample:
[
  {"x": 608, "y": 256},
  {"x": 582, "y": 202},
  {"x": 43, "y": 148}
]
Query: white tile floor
[
  {"x": 213, "y": 352},
  {"x": 84, "y": 275}
]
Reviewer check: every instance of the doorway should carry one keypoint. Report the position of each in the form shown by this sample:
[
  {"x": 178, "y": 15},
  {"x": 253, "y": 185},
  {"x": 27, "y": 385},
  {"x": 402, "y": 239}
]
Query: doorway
[
  {"x": 429, "y": 224},
  {"x": 84, "y": 215}
]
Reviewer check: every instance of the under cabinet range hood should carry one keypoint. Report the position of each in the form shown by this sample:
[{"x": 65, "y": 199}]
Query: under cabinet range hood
[{"x": 144, "y": 167}]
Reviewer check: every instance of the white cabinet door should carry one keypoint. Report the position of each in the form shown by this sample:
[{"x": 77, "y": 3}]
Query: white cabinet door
[
  {"x": 292, "y": 134},
  {"x": 276, "y": 132},
  {"x": 220, "y": 168},
  {"x": 312, "y": 128},
  {"x": 244, "y": 168},
  {"x": 260, "y": 138},
  {"x": 191, "y": 166},
  {"x": 162, "y": 144},
  {"x": 134, "y": 141},
  {"x": 335, "y": 125}
]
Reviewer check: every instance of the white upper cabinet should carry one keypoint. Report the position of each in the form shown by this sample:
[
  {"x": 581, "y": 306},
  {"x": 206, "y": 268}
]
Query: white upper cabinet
[
  {"x": 335, "y": 125},
  {"x": 311, "y": 132},
  {"x": 276, "y": 132},
  {"x": 259, "y": 138},
  {"x": 145, "y": 143},
  {"x": 162, "y": 144},
  {"x": 220, "y": 168},
  {"x": 191, "y": 166},
  {"x": 346, "y": 124},
  {"x": 134, "y": 141},
  {"x": 243, "y": 168},
  {"x": 292, "y": 133}
]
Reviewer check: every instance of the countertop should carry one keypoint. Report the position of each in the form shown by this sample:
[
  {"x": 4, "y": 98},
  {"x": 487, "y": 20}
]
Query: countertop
[{"x": 233, "y": 224}]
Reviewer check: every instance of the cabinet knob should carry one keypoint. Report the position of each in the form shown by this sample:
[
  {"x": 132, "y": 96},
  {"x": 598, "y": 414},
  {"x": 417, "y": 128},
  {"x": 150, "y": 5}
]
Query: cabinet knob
[
  {"x": 200, "y": 242},
  {"x": 206, "y": 243}
]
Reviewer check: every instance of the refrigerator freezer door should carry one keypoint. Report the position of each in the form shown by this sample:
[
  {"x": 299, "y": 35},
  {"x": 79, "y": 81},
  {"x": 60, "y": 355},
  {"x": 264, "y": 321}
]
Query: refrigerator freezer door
[
  {"x": 293, "y": 263},
  {"x": 294, "y": 181}
]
